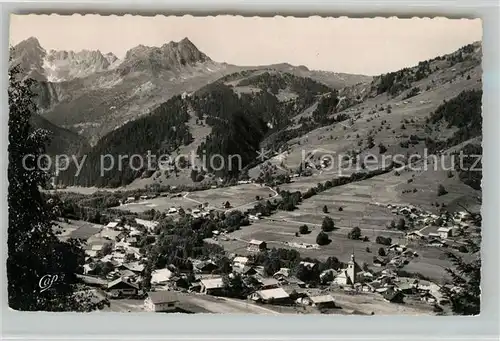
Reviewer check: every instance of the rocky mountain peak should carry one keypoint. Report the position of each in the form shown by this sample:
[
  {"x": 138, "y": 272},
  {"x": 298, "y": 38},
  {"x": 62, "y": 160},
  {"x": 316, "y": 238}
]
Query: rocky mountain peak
[
  {"x": 88, "y": 56},
  {"x": 30, "y": 44},
  {"x": 110, "y": 57},
  {"x": 170, "y": 56},
  {"x": 58, "y": 65},
  {"x": 64, "y": 65},
  {"x": 29, "y": 55}
]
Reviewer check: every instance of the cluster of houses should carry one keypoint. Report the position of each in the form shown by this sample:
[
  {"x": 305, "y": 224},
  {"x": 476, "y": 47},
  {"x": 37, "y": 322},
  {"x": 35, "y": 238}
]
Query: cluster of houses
[
  {"x": 434, "y": 230},
  {"x": 116, "y": 247},
  {"x": 285, "y": 289},
  {"x": 352, "y": 278},
  {"x": 387, "y": 283},
  {"x": 201, "y": 210},
  {"x": 397, "y": 256},
  {"x": 113, "y": 255},
  {"x": 280, "y": 289},
  {"x": 132, "y": 199}
]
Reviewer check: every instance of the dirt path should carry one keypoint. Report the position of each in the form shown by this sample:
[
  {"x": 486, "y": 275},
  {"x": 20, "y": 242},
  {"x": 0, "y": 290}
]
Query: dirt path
[
  {"x": 369, "y": 302},
  {"x": 227, "y": 305},
  {"x": 125, "y": 305}
]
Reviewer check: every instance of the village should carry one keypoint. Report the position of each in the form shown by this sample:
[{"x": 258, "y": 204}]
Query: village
[{"x": 115, "y": 267}]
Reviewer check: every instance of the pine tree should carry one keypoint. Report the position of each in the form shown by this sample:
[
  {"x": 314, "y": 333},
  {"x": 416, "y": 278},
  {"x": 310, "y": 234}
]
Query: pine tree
[
  {"x": 146, "y": 279},
  {"x": 465, "y": 298},
  {"x": 34, "y": 250}
]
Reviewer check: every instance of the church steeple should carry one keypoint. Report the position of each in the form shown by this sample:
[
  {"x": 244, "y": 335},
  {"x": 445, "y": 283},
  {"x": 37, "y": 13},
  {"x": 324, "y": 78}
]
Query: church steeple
[{"x": 352, "y": 269}]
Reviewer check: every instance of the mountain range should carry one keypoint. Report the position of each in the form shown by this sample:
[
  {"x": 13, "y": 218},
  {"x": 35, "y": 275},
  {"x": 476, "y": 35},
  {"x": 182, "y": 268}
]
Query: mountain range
[{"x": 93, "y": 93}]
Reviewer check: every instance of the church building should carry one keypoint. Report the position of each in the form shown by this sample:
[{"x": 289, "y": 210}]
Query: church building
[{"x": 350, "y": 275}]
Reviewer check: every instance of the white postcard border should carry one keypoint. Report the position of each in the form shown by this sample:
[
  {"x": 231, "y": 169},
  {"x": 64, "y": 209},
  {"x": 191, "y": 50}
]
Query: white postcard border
[{"x": 40, "y": 325}]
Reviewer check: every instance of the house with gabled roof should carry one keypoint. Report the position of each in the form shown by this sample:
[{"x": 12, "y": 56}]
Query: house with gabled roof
[
  {"x": 444, "y": 232},
  {"x": 379, "y": 261},
  {"x": 240, "y": 262},
  {"x": 437, "y": 243},
  {"x": 282, "y": 273},
  {"x": 149, "y": 224},
  {"x": 160, "y": 276},
  {"x": 268, "y": 283},
  {"x": 112, "y": 224},
  {"x": 393, "y": 296},
  {"x": 322, "y": 301},
  {"x": 161, "y": 301},
  {"x": 247, "y": 270},
  {"x": 121, "y": 287},
  {"x": 415, "y": 236},
  {"x": 212, "y": 286},
  {"x": 135, "y": 267},
  {"x": 256, "y": 245},
  {"x": 205, "y": 266},
  {"x": 308, "y": 265},
  {"x": 271, "y": 296}
]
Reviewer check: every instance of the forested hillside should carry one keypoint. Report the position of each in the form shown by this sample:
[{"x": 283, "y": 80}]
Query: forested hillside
[
  {"x": 239, "y": 122},
  {"x": 463, "y": 113},
  {"x": 62, "y": 141},
  {"x": 161, "y": 132},
  {"x": 397, "y": 82}
]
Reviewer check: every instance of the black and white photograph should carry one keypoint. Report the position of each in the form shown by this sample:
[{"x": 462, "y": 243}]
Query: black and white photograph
[{"x": 245, "y": 165}]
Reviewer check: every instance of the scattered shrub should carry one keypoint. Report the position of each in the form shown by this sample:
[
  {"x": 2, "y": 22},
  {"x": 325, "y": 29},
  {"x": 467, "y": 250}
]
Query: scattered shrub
[
  {"x": 322, "y": 239},
  {"x": 441, "y": 190},
  {"x": 328, "y": 224},
  {"x": 304, "y": 229},
  {"x": 355, "y": 233},
  {"x": 381, "y": 148},
  {"x": 383, "y": 240}
]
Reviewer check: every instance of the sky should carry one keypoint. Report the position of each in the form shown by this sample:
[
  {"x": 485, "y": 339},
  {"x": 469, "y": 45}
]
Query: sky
[{"x": 361, "y": 46}]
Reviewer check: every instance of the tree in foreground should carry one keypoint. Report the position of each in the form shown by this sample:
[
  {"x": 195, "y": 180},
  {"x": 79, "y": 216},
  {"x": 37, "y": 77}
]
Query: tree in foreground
[
  {"x": 322, "y": 239},
  {"x": 304, "y": 229},
  {"x": 392, "y": 225},
  {"x": 383, "y": 240},
  {"x": 34, "y": 251},
  {"x": 233, "y": 286},
  {"x": 328, "y": 224},
  {"x": 465, "y": 297},
  {"x": 355, "y": 233},
  {"x": 401, "y": 224}
]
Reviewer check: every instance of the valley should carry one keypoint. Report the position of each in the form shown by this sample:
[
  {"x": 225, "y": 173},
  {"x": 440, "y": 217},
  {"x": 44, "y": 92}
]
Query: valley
[{"x": 346, "y": 188}]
